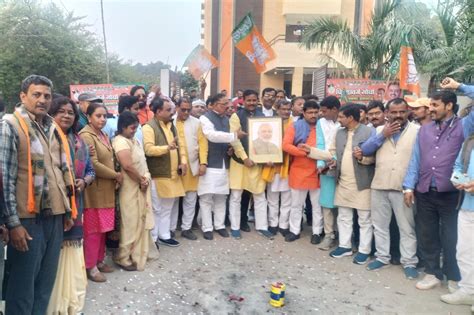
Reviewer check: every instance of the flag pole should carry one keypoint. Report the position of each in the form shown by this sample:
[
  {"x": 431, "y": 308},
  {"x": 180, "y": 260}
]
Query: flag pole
[{"x": 223, "y": 45}]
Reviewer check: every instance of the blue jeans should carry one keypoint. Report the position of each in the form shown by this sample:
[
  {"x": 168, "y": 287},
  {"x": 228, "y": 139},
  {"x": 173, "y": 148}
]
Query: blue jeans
[{"x": 32, "y": 273}]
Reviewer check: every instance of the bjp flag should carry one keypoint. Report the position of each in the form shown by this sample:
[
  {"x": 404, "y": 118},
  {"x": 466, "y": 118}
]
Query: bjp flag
[
  {"x": 200, "y": 61},
  {"x": 251, "y": 43},
  {"x": 409, "y": 78}
]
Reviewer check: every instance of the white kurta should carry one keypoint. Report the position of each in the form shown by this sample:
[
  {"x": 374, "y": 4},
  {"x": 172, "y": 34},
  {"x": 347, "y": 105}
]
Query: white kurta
[
  {"x": 279, "y": 184},
  {"x": 267, "y": 112},
  {"x": 329, "y": 130},
  {"x": 216, "y": 180}
]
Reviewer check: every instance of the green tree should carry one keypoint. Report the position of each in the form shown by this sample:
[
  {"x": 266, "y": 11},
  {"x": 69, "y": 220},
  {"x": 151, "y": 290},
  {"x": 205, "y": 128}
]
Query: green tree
[
  {"x": 450, "y": 50},
  {"x": 44, "y": 40},
  {"x": 441, "y": 39},
  {"x": 38, "y": 38},
  {"x": 188, "y": 83}
]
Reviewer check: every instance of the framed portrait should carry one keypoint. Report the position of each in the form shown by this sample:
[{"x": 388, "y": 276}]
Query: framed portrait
[{"x": 265, "y": 139}]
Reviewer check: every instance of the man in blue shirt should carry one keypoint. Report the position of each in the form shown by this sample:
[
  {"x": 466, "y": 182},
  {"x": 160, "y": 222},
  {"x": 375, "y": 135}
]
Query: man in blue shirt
[
  {"x": 433, "y": 156},
  {"x": 392, "y": 145},
  {"x": 465, "y": 247},
  {"x": 449, "y": 83}
]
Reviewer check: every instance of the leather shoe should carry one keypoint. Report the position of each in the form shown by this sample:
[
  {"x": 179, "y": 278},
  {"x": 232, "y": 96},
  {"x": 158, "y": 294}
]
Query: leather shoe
[
  {"x": 245, "y": 227},
  {"x": 103, "y": 267},
  {"x": 208, "y": 235},
  {"x": 96, "y": 277},
  {"x": 223, "y": 232},
  {"x": 131, "y": 267}
]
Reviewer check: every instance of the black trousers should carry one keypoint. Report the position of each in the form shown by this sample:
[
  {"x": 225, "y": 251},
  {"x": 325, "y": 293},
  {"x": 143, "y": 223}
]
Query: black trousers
[
  {"x": 394, "y": 239},
  {"x": 436, "y": 224},
  {"x": 244, "y": 207}
]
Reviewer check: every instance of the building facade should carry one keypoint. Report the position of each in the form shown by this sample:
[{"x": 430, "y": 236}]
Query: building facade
[{"x": 282, "y": 24}]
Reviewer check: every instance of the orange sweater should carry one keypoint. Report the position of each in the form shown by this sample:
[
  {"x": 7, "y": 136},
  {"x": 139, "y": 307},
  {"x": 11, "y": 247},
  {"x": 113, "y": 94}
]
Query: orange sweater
[
  {"x": 303, "y": 172},
  {"x": 144, "y": 115}
]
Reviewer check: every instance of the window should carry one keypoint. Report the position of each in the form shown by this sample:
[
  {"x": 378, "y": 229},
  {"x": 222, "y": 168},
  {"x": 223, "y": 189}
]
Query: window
[{"x": 294, "y": 33}]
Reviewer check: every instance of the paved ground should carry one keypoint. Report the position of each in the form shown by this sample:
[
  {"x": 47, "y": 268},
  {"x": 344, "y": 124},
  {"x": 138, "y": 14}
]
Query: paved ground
[{"x": 198, "y": 278}]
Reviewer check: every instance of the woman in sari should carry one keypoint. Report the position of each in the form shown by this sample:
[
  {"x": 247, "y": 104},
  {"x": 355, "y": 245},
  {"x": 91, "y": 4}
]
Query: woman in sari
[
  {"x": 69, "y": 289},
  {"x": 134, "y": 196},
  {"x": 99, "y": 198}
]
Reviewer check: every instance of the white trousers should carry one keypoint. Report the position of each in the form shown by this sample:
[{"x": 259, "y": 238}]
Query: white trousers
[
  {"x": 298, "y": 198},
  {"x": 209, "y": 203},
  {"x": 154, "y": 206},
  {"x": 163, "y": 218},
  {"x": 189, "y": 209},
  {"x": 275, "y": 207},
  {"x": 465, "y": 250},
  {"x": 345, "y": 227},
  {"x": 260, "y": 205}
]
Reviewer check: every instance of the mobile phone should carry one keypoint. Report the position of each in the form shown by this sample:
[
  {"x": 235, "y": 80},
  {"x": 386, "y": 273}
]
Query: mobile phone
[{"x": 459, "y": 178}]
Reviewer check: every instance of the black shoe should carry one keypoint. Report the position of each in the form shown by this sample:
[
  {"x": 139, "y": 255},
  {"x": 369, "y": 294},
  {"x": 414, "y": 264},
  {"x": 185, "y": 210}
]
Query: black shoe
[
  {"x": 189, "y": 235},
  {"x": 222, "y": 232},
  {"x": 169, "y": 242},
  {"x": 316, "y": 239},
  {"x": 208, "y": 235},
  {"x": 284, "y": 232},
  {"x": 273, "y": 230},
  {"x": 245, "y": 227},
  {"x": 395, "y": 261},
  {"x": 173, "y": 234},
  {"x": 290, "y": 237},
  {"x": 157, "y": 244}
]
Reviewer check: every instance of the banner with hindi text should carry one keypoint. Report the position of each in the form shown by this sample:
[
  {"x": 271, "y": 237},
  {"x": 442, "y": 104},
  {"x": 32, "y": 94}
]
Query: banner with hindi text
[
  {"x": 109, "y": 93},
  {"x": 360, "y": 91}
]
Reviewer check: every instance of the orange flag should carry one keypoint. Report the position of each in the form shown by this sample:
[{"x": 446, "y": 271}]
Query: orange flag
[
  {"x": 199, "y": 62},
  {"x": 251, "y": 43},
  {"x": 409, "y": 78}
]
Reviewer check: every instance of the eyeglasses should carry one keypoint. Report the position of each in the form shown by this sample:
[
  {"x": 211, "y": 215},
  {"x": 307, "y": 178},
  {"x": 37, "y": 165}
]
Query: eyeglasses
[{"x": 185, "y": 110}]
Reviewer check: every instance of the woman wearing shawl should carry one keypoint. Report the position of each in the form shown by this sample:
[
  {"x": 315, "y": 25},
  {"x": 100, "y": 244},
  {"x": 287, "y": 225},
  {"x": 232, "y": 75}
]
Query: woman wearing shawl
[
  {"x": 69, "y": 289},
  {"x": 134, "y": 196},
  {"x": 99, "y": 198}
]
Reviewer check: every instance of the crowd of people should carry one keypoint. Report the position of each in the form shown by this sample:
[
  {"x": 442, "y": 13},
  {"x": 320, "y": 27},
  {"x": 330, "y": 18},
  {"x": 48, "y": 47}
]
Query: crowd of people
[{"x": 387, "y": 183}]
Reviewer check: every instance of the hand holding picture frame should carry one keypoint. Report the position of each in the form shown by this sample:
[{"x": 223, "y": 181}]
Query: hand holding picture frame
[{"x": 265, "y": 139}]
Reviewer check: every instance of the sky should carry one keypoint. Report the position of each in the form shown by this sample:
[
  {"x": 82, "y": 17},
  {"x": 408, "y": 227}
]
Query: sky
[
  {"x": 146, "y": 30},
  {"x": 143, "y": 30}
]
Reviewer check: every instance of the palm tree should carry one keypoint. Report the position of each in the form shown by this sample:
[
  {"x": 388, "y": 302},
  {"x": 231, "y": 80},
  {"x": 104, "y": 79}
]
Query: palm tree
[
  {"x": 372, "y": 53},
  {"x": 451, "y": 50}
]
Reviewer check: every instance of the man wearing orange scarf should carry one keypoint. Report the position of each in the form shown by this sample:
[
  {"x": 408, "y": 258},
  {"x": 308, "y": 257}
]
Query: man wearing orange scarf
[
  {"x": 276, "y": 176},
  {"x": 37, "y": 189}
]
